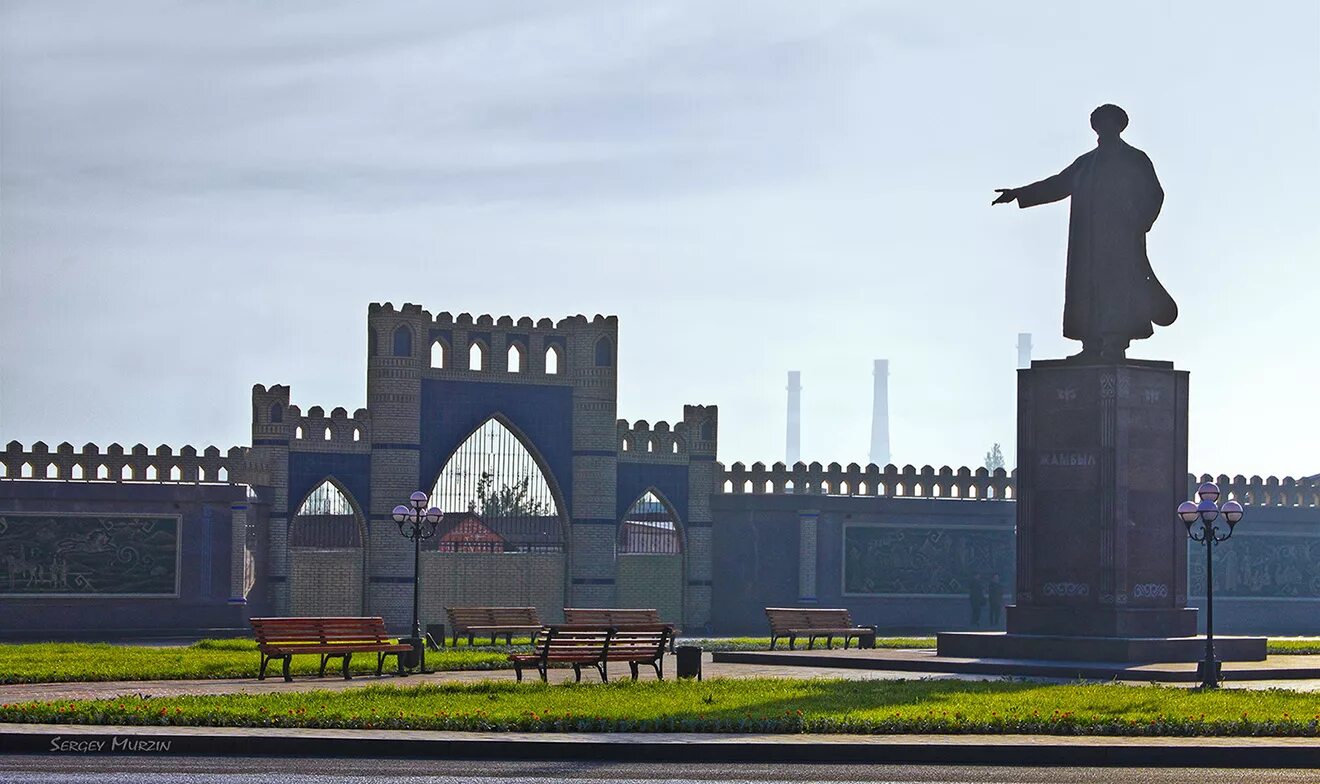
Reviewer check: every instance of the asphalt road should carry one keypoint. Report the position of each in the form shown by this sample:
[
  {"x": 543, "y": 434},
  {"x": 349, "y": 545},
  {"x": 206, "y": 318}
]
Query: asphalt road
[{"x": 21, "y": 769}]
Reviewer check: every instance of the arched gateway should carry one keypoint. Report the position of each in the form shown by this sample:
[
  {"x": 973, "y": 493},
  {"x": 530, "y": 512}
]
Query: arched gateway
[
  {"x": 649, "y": 551},
  {"x": 326, "y": 553},
  {"x": 520, "y": 446}
]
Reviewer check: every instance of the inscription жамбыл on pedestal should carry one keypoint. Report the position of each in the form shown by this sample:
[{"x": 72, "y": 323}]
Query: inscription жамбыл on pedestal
[{"x": 1067, "y": 459}]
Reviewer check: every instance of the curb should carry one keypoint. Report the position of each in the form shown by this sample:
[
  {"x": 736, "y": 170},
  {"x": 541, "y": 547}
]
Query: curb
[{"x": 84, "y": 741}]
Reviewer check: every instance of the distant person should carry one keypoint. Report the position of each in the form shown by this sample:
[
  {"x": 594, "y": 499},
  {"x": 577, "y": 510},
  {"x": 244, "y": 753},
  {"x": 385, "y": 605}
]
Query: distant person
[
  {"x": 995, "y": 596},
  {"x": 976, "y": 595}
]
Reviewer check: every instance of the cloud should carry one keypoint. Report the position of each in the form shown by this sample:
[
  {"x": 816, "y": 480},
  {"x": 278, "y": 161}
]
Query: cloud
[{"x": 582, "y": 105}]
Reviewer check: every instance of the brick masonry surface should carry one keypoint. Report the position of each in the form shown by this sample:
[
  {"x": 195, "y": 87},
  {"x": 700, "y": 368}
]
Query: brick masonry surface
[
  {"x": 652, "y": 581},
  {"x": 326, "y": 582},
  {"x": 490, "y": 579}
]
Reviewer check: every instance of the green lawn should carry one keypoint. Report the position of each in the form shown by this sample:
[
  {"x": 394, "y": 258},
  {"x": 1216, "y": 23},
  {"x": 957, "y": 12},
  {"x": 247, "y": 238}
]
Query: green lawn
[
  {"x": 63, "y": 661},
  {"x": 237, "y": 658},
  {"x": 1293, "y": 647},
  {"x": 724, "y": 705},
  {"x": 53, "y": 662}
]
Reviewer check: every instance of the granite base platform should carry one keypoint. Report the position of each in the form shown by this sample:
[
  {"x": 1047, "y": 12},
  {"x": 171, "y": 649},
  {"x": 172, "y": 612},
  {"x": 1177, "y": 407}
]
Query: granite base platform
[{"x": 999, "y": 645}]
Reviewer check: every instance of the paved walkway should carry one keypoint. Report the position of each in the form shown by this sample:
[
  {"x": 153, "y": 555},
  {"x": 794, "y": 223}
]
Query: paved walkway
[{"x": 89, "y": 690}]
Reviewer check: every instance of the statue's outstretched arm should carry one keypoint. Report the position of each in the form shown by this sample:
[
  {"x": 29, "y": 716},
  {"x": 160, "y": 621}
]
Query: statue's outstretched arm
[{"x": 1047, "y": 190}]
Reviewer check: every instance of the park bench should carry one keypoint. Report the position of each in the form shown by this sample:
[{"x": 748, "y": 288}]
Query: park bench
[
  {"x": 795, "y": 622},
  {"x": 579, "y": 645},
  {"x": 619, "y": 618},
  {"x": 492, "y": 621},
  {"x": 330, "y": 638}
]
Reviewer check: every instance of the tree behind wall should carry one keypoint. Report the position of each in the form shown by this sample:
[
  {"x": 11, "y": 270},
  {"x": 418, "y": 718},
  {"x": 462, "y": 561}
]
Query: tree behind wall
[
  {"x": 994, "y": 458},
  {"x": 511, "y": 500}
]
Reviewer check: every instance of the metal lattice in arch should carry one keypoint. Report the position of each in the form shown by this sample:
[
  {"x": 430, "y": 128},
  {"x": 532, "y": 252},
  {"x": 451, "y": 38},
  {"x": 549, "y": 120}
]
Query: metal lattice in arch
[
  {"x": 327, "y": 518},
  {"x": 497, "y": 497},
  {"x": 650, "y": 527}
]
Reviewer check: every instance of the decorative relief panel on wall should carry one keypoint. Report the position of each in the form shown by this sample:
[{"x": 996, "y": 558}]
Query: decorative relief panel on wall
[
  {"x": 89, "y": 555},
  {"x": 894, "y": 560},
  {"x": 1259, "y": 565}
]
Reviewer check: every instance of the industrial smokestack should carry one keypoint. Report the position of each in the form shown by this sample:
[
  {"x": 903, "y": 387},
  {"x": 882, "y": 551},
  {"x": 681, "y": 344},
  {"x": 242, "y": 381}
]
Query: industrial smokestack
[
  {"x": 1024, "y": 350},
  {"x": 793, "y": 440},
  {"x": 880, "y": 415}
]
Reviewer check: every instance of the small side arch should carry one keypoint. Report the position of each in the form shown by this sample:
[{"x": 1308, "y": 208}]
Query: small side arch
[
  {"x": 327, "y": 556},
  {"x": 650, "y": 526},
  {"x": 650, "y": 559},
  {"x": 328, "y": 517}
]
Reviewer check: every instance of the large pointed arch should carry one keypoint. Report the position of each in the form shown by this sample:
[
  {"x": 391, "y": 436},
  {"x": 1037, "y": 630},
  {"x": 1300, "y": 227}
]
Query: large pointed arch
[
  {"x": 650, "y": 526},
  {"x": 498, "y": 494},
  {"x": 328, "y": 517}
]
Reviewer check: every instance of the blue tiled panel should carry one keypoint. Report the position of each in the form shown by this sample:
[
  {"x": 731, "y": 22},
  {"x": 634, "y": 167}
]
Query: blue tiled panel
[
  {"x": 308, "y": 469},
  {"x": 670, "y": 480}
]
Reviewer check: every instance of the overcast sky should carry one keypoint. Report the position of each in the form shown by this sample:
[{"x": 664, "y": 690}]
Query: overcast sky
[{"x": 195, "y": 197}]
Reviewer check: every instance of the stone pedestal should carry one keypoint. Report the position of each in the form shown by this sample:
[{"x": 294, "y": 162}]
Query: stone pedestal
[{"x": 1102, "y": 465}]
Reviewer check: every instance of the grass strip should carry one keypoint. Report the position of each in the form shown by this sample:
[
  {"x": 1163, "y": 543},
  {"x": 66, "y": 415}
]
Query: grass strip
[
  {"x": 1292, "y": 647},
  {"x": 238, "y": 658},
  {"x": 57, "y": 662},
  {"x": 65, "y": 661},
  {"x": 726, "y": 706}
]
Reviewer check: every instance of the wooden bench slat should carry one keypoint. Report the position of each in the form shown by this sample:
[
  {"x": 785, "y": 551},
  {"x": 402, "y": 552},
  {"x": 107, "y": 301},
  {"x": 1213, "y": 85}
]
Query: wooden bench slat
[
  {"x": 371, "y": 648},
  {"x": 794, "y": 622},
  {"x": 330, "y": 637},
  {"x": 621, "y": 619},
  {"x": 492, "y": 621},
  {"x": 577, "y": 644}
]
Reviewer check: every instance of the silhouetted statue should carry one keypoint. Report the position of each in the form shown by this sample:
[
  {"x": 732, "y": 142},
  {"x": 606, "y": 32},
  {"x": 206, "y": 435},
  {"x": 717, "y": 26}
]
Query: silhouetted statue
[{"x": 1111, "y": 296}]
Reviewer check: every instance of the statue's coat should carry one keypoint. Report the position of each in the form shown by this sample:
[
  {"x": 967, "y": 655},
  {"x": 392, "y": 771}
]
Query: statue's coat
[{"x": 1116, "y": 197}]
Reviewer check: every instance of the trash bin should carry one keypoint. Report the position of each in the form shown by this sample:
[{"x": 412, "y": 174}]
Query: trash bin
[
  {"x": 411, "y": 659},
  {"x": 689, "y": 661},
  {"x": 867, "y": 640},
  {"x": 435, "y": 636}
]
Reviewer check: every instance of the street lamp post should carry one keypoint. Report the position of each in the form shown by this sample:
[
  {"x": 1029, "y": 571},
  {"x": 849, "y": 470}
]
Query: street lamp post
[
  {"x": 417, "y": 522},
  {"x": 1207, "y": 511}
]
